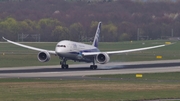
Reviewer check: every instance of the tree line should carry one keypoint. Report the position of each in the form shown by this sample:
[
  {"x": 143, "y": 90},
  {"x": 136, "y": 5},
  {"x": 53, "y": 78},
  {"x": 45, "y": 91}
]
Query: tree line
[
  {"x": 54, "y": 30},
  {"x": 56, "y": 20}
]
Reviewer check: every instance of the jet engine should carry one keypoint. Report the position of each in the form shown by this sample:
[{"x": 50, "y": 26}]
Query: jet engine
[
  {"x": 102, "y": 58},
  {"x": 43, "y": 56}
]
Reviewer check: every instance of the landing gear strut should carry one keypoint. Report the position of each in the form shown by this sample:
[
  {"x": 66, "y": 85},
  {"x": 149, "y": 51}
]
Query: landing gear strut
[
  {"x": 93, "y": 66},
  {"x": 63, "y": 64}
]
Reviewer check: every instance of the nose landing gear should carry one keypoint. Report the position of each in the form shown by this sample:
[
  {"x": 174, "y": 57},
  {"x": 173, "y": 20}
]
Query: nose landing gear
[{"x": 63, "y": 64}]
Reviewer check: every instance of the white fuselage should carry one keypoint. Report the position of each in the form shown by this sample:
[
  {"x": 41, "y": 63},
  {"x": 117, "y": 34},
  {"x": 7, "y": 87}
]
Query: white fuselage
[{"x": 72, "y": 50}]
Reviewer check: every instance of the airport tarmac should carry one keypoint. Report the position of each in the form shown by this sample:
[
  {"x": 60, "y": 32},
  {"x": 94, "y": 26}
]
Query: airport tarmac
[{"x": 81, "y": 70}]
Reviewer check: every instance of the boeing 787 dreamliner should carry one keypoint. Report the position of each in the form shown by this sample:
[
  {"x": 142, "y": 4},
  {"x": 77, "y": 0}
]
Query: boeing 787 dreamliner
[{"x": 70, "y": 50}]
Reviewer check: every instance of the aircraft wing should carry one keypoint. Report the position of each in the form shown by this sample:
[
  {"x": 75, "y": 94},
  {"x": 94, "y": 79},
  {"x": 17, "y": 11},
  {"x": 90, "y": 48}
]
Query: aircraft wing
[
  {"x": 122, "y": 51},
  {"x": 29, "y": 47}
]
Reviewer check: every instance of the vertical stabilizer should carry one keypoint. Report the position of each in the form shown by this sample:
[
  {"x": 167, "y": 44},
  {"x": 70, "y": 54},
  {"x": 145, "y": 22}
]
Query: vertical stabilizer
[{"x": 96, "y": 38}]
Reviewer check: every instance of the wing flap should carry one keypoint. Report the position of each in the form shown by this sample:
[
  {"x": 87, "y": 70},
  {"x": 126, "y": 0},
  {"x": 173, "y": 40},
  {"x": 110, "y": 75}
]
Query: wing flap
[{"x": 29, "y": 47}]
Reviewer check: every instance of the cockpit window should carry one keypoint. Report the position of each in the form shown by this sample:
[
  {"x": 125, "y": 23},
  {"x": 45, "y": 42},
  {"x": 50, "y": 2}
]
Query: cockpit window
[{"x": 61, "y": 45}]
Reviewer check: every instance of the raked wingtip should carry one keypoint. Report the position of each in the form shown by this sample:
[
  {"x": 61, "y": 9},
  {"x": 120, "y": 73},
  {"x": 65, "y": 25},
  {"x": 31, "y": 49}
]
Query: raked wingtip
[{"x": 4, "y": 38}]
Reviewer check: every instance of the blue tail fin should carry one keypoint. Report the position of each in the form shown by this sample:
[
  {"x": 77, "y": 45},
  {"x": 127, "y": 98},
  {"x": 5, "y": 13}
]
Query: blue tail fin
[{"x": 96, "y": 38}]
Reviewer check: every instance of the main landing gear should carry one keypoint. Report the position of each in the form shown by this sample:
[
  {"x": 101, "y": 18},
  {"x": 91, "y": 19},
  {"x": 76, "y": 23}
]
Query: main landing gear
[
  {"x": 93, "y": 66},
  {"x": 66, "y": 66},
  {"x": 63, "y": 64}
]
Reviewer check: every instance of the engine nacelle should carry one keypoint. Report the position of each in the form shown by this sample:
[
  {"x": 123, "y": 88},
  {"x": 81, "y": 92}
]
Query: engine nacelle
[
  {"x": 43, "y": 56},
  {"x": 102, "y": 58}
]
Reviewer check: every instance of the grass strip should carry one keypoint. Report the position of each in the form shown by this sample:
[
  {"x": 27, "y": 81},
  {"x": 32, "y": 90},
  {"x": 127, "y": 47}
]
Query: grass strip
[{"x": 157, "y": 86}]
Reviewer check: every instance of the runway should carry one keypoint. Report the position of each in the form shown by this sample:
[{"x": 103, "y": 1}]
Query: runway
[{"x": 81, "y": 70}]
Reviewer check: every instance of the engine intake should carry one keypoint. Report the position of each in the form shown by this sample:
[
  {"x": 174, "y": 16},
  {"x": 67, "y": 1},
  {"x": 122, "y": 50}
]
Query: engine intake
[
  {"x": 43, "y": 56},
  {"x": 102, "y": 58}
]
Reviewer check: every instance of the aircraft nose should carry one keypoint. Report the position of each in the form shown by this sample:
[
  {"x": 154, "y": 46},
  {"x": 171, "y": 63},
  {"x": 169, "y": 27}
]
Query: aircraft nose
[
  {"x": 60, "y": 50},
  {"x": 62, "y": 47}
]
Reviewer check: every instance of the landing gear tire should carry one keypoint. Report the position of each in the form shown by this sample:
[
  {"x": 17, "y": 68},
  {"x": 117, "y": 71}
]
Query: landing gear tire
[
  {"x": 93, "y": 67},
  {"x": 64, "y": 66}
]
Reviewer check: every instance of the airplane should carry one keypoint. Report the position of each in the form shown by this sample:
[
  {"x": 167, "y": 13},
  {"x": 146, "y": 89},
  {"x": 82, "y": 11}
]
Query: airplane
[{"x": 70, "y": 50}]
